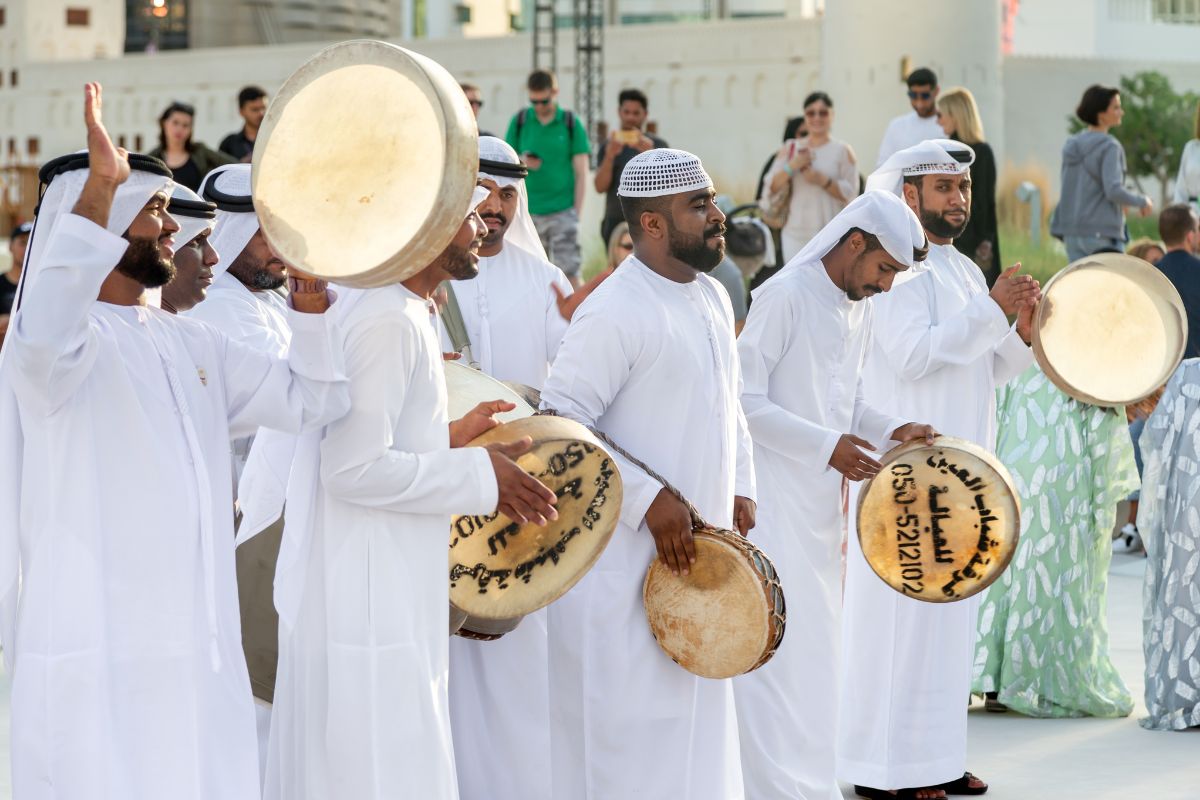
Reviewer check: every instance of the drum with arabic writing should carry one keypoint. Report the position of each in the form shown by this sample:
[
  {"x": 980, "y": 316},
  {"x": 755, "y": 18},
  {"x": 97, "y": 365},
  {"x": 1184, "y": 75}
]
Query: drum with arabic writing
[
  {"x": 939, "y": 522},
  {"x": 501, "y": 570}
]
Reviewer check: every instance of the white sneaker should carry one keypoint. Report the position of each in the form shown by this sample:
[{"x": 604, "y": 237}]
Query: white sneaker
[{"x": 1128, "y": 541}]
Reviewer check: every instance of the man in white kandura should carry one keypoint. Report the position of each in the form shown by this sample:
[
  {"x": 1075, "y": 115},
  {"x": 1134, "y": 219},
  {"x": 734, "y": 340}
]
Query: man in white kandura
[
  {"x": 510, "y": 312},
  {"x": 361, "y": 699},
  {"x": 802, "y": 353},
  {"x": 194, "y": 254},
  {"x": 650, "y": 360},
  {"x": 244, "y": 301},
  {"x": 942, "y": 345},
  {"x": 499, "y": 692},
  {"x": 116, "y": 544}
]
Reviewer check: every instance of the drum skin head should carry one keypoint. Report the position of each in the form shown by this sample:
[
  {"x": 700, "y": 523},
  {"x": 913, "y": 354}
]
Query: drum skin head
[
  {"x": 500, "y": 570},
  {"x": 939, "y": 522},
  {"x": 721, "y": 619},
  {"x": 364, "y": 165},
  {"x": 1110, "y": 329},
  {"x": 467, "y": 387}
]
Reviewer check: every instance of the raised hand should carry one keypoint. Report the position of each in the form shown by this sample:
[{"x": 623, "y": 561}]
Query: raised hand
[
  {"x": 670, "y": 524},
  {"x": 1025, "y": 318},
  {"x": 850, "y": 460},
  {"x": 523, "y": 498},
  {"x": 106, "y": 161}
]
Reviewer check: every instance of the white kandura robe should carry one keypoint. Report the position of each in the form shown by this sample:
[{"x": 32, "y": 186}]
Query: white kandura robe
[
  {"x": 361, "y": 699},
  {"x": 802, "y": 355},
  {"x": 511, "y": 315},
  {"x": 653, "y": 364},
  {"x": 129, "y": 681},
  {"x": 499, "y": 693},
  {"x": 942, "y": 347},
  {"x": 256, "y": 319}
]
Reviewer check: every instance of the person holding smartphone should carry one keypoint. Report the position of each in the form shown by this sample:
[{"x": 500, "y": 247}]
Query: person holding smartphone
[{"x": 616, "y": 151}]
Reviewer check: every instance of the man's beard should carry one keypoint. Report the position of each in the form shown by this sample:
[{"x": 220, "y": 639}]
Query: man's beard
[
  {"x": 695, "y": 252},
  {"x": 458, "y": 264},
  {"x": 144, "y": 263},
  {"x": 936, "y": 224},
  {"x": 495, "y": 236},
  {"x": 253, "y": 273}
]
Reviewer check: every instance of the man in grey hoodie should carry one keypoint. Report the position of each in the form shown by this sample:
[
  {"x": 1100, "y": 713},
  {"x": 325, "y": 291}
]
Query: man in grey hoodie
[{"x": 1091, "y": 211}]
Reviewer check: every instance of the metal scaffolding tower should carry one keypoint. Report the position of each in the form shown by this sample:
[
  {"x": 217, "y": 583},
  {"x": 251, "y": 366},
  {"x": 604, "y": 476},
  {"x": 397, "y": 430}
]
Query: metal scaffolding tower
[
  {"x": 545, "y": 35},
  {"x": 589, "y": 66}
]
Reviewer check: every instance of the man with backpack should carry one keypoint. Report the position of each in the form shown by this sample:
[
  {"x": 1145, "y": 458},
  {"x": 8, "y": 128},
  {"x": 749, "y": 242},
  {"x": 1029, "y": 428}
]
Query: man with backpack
[{"x": 553, "y": 144}]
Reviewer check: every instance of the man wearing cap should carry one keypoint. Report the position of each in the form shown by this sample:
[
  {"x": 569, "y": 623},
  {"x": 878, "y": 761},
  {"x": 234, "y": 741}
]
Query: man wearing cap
[
  {"x": 361, "y": 697},
  {"x": 650, "y": 360},
  {"x": 499, "y": 693},
  {"x": 194, "y": 254},
  {"x": 943, "y": 345},
  {"x": 17, "y": 241},
  {"x": 118, "y": 609},
  {"x": 802, "y": 353}
]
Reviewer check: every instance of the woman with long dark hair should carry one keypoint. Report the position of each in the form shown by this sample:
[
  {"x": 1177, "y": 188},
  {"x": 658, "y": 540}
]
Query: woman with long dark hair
[
  {"x": 189, "y": 160},
  {"x": 980, "y": 241}
]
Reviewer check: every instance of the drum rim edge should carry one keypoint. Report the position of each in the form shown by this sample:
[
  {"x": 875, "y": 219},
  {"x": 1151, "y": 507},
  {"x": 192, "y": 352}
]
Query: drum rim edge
[
  {"x": 456, "y": 188},
  {"x": 1154, "y": 275},
  {"x": 974, "y": 449}
]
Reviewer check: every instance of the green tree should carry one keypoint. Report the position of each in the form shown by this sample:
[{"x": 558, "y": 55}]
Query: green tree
[{"x": 1157, "y": 125}]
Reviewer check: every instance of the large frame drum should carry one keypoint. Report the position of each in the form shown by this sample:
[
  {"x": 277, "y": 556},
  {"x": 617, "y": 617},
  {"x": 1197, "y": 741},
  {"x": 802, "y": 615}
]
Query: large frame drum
[
  {"x": 939, "y": 522},
  {"x": 365, "y": 163},
  {"x": 1110, "y": 329}
]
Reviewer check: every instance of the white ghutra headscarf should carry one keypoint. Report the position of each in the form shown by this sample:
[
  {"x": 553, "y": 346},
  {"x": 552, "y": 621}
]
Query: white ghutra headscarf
[
  {"x": 237, "y": 221},
  {"x": 65, "y": 177},
  {"x": 499, "y": 162}
]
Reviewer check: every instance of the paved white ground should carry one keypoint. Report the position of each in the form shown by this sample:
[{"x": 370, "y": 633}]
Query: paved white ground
[
  {"x": 1038, "y": 759},
  {"x": 1089, "y": 759}
]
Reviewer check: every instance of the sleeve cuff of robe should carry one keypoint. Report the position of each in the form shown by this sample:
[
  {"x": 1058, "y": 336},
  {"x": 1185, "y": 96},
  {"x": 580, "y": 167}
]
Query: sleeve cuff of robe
[
  {"x": 313, "y": 353},
  {"x": 80, "y": 244},
  {"x": 483, "y": 476},
  {"x": 997, "y": 322},
  {"x": 639, "y": 491}
]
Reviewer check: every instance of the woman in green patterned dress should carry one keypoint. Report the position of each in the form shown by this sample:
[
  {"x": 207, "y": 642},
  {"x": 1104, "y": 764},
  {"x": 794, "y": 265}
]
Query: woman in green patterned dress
[{"x": 1043, "y": 638}]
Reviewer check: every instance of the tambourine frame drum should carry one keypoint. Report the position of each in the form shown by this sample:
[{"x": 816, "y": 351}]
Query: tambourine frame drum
[
  {"x": 1110, "y": 329},
  {"x": 365, "y": 163},
  {"x": 501, "y": 570},
  {"x": 939, "y": 522},
  {"x": 726, "y": 617}
]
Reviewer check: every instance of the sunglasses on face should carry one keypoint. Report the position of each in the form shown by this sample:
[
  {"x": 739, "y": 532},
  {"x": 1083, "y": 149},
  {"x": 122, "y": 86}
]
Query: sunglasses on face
[
  {"x": 817, "y": 112},
  {"x": 476, "y": 103},
  {"x": 625, "y": 246},
  {"x": 543, "y": 101},
  {"x": 919, "y": 95}
]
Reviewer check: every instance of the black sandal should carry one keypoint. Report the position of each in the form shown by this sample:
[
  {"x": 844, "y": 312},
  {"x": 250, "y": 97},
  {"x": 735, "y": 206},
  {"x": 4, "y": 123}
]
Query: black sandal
[
  {"x": 962, "y": 785},
  {"x": 884, "y": 794}
]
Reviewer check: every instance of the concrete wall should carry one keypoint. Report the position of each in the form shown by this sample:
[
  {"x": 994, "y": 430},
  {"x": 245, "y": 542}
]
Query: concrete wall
[
  {"x": 864, "y": 44},
  {"x": 720, "y": 89},
  {"x": 1107, "y": 29}
]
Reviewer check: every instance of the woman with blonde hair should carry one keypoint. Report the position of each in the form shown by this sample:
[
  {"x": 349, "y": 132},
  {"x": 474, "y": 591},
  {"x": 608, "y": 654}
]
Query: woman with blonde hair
[
  {"x": 1187, "y": 182},
  {"x": 980, "y": 241}
]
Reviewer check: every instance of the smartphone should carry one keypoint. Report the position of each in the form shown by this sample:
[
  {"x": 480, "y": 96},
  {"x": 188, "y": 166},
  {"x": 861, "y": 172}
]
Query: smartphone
[{"x": 629, "y": 138}]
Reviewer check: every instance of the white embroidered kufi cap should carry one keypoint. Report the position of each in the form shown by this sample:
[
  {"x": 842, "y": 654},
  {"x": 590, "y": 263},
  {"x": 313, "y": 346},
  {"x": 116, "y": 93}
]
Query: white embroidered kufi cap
[
  {"x": 930, "y": 157},
  {"x": 663, "y": 171}
]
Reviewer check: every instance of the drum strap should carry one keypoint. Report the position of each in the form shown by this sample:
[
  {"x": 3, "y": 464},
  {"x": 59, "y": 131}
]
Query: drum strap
[
  {"x": 697, "y": 520},
  {"x": 456, "y": 328}
]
